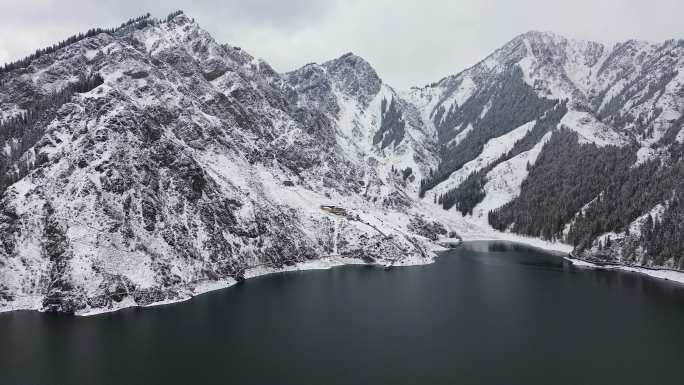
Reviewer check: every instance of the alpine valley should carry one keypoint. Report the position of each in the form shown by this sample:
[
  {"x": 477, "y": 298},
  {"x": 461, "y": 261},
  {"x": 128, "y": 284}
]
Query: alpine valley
[{"x": 149, "y": 163}]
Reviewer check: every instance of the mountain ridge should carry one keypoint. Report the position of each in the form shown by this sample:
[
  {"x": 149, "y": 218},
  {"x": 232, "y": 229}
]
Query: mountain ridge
[{"x": 180, "y": 164}]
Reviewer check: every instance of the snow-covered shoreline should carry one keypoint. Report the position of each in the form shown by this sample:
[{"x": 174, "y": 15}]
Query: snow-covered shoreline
[
  {"x": 493, "y": 235},
  {"x": 33, "y": 303},
  {"x": 325, "y": 263},
  {"x": 662, "y": 274},
  {"x": 566, "y": 250},
  {"x": 329, "y": 262}
]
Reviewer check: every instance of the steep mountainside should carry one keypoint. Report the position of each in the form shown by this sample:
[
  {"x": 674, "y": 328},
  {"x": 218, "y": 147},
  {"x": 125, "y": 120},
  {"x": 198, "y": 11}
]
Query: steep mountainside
[
  {"x": 148, "y": 163},
  {"x": 187, "y": 165},
  {"x": 567, "y": 140}
]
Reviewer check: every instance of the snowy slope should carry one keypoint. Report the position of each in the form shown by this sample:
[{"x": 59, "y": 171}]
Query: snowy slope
[
  {"x": 195, "y": 165},
  {"x": 627, "y": 94},
  {"x": 492, "y": 151},
  {"x": 504, "y": 181}
]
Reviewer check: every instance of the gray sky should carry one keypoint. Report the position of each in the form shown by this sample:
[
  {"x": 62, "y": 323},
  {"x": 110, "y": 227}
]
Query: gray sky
[{"x": 408, "y": 42}]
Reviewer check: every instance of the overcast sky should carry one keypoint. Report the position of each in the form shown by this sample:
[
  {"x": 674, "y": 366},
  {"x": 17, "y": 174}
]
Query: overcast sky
[{"x": 408, "y": 42}]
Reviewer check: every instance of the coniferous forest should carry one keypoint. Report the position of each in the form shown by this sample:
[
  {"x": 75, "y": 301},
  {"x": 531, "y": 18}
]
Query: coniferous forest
[
  {"x": 511, "y": 102},
  {"x": 565, "y": 177},
  {"x": 23, "y": 131},
  {"x": 607, "y": 192},
  {"x": 471, "y": 192},
  {"x": 25, "y": 62},
  {"x": 20, "y": 132}
]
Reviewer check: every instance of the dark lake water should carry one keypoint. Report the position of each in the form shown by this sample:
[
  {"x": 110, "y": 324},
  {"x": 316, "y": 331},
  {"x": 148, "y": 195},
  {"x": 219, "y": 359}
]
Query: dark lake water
[{"x": 486, "y": 313}]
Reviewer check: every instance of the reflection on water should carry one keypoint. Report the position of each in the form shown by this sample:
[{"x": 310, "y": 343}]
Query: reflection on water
[
  {"x": 500, "y": 247},
  {"x": 485, "y": 313}
]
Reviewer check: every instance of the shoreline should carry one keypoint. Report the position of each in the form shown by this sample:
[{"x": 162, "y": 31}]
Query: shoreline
[
  {"x": 325, "y": 263},
  {"x": 551, "y": 247},
  {"x": 330, "y": 262},
  {"x": 669, "y": 275},
  {"x": 204, "y": 287},
  {"x": 663, "y": 274}
]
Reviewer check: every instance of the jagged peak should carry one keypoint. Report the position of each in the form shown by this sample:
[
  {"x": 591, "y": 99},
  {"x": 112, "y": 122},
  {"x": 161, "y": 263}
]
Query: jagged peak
[
  {"x": 536, "y": 34},
  {"x": 541, "y": 43},
  {"x": 175, "y": 14},
  {"x": 352, "y": 64},
  {"x": 349, "y": 59},
  {"x": 550, "y": 37},
  {"x": 634, "y": 44},
  {"x": 349, "y": 74},
  {"x": 179, "y": 18},
  {"x": 308, "y": 70},
  {"x": 354, "y": 76},
  {"x": 549, "y": 43}
]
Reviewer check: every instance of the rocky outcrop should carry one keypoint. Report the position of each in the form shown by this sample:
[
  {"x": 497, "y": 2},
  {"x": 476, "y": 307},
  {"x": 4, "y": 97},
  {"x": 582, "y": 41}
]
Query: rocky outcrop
[{"x": 171, "y": 174}]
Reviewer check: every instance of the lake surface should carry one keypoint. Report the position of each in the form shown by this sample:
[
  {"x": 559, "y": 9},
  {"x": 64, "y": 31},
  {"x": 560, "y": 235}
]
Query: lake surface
[{"x": 486, "y": 313}]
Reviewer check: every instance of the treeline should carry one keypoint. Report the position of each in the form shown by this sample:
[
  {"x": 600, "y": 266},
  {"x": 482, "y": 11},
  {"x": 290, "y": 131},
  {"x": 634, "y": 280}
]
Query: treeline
[
  {"x": 171, "y": 15},
  {"x": 628, "y": 197},
  {"x": 471, "y": 192},
  {"x": 565, "y": 177},
  {"x": 598, "y": 191},
  {"x": 665, "y": 239},
  {"x": 392, "y": 128},
  {"x": 25, "y": 62},
  {"x": 22, "y": 132},
  {"x": 511, "y": 103},
  {"x": 611, "y": 111},
  {"x": 669, "y": 139}
]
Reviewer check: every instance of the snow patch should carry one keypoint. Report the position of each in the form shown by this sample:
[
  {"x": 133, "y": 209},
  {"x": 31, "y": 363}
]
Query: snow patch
[
  {"x": 505, "y": 180},
  {"x": 590, "y": 130},
  {"x": 461, "y": 94},
  {"x": 680, "y": 136},
  {"x": 663, "y": 274},
  {"x": 491, "y": 152},
  {"x": 460, "y": 136}
]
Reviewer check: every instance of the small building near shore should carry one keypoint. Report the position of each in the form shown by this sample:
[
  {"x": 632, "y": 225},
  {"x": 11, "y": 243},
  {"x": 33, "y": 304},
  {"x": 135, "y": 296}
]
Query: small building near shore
[{"x": 335, "y": 210}]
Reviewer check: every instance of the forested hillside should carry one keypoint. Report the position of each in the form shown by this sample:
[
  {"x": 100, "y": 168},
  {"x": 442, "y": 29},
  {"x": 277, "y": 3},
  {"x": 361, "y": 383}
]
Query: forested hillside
[
  {"x": 565, "y": 177},
  {"x": 20, "y": 133},
  {"x": 471, "y": 192},
  {"x": 508, "y": 103},
  {"x": 600, "y": 167}
]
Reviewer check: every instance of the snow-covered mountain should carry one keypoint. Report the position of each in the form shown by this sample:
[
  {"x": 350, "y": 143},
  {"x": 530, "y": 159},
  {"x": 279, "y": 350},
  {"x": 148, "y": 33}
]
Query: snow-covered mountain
[
  {"x": 194, "y": 165},
  {"x": 622, "y": 102},
  {"x": 150, "y": 163}
]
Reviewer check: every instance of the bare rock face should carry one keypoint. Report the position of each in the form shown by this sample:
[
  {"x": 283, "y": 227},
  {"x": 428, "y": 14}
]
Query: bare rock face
[{"x": 168, "y": 175}]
